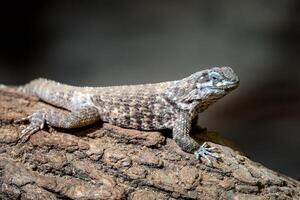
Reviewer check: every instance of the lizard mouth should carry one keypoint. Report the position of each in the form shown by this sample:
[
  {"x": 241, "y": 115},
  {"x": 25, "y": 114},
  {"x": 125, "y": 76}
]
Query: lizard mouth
[
  {"x": 228, "y": 87},
  {"x": 231, "y": 86}
]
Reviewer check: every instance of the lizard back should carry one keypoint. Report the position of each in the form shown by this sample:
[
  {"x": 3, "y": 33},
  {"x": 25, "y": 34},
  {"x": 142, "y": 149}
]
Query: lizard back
[{"x": 131, "y": 106}]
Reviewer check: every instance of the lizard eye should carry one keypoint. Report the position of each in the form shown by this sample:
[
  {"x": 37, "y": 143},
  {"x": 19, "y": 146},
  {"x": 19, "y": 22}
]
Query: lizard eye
[{"x": 215, "y": 76}]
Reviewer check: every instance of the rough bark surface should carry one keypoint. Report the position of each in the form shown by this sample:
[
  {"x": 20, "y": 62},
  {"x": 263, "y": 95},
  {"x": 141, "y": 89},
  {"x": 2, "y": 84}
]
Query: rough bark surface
[{"x": 108, "y": 162}]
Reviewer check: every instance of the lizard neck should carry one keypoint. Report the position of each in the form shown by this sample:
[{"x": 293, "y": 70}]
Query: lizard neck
[{"x": 203, "y": 104}]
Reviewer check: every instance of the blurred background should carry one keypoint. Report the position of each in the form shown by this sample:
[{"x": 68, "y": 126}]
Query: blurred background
[{"x": 99, "y": 43}]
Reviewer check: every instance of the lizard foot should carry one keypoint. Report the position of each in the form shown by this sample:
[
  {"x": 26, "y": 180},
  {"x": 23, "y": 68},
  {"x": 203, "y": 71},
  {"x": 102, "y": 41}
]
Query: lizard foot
[
  {"x": 37, "y": 122},
  {"x": 206, "y": 152}
]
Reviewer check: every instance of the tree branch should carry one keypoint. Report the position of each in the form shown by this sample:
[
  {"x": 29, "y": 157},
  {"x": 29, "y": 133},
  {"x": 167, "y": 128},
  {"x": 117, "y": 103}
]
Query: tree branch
[{"x": 108, "y": 162}]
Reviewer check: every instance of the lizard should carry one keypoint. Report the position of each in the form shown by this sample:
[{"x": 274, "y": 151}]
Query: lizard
[{"x": 166, "y": 105}]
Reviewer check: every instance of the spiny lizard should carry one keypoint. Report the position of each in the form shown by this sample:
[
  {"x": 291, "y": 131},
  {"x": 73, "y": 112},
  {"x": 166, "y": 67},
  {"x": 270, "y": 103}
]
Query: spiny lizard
[{"x": 166, "y": 105}]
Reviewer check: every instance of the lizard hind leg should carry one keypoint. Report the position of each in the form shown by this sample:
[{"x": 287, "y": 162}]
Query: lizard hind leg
[
  {"x": 37, "y": 122},
  {"x": 59, "y": 118}
]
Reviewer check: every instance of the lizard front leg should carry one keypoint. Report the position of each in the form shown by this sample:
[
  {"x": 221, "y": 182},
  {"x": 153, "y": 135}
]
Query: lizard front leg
[
  {"x": 60, "y": 118},
  {"x": 181, "y": 130}
]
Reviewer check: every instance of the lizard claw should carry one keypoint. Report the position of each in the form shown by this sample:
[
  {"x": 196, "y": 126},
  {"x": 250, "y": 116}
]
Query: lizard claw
[
  {"x": 37, "y": 123},
  {"x": 206, "y": 152}
]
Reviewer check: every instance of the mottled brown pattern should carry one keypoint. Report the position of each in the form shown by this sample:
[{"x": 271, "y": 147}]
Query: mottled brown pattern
[
  {"x": 138, "y": 111},
  {"x": 167, "y": 105}
]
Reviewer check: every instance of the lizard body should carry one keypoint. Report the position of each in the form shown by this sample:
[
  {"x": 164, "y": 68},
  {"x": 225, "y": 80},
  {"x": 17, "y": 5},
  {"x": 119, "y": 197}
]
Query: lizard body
[{"x": 166, "y": 105}]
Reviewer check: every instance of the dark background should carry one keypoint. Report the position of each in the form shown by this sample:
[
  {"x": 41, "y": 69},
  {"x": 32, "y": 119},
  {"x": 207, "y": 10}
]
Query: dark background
[{"x": 124, "y": 42}]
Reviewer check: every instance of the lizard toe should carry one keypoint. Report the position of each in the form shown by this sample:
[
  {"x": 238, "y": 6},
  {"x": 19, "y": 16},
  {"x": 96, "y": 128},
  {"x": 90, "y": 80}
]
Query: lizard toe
[{"x": 206, "y": 153}]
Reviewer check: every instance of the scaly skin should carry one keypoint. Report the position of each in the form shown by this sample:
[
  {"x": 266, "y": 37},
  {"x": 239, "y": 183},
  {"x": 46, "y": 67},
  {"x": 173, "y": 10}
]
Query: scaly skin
[{"x": 167, "y": 105}]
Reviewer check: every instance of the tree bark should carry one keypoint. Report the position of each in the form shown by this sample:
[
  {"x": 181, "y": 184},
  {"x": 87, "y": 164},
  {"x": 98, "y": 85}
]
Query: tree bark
[{"x": 107, "y": 162}]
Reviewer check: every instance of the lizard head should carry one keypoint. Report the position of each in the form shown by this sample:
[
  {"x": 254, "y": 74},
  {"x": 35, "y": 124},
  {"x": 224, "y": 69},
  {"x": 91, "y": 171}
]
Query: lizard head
[
  {"x": 215, "y": 82},
  {"x": 204, "y": 86}
]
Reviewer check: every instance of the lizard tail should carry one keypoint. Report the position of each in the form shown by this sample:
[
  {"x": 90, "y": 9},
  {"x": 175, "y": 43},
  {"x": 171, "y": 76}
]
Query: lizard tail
[
  {"x": 50, "y": 91},
  {"x": 32, "y": 87}
]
